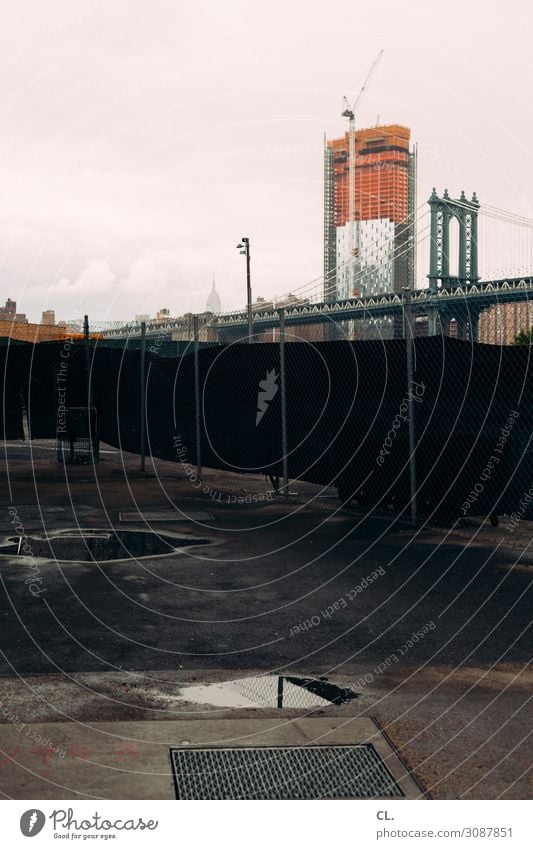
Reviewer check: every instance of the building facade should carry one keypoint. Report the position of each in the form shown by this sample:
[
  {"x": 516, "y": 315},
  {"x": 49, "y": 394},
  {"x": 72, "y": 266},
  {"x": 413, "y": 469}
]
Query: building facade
[
  {"x": 9, "y": 313},
  {"x": 374, "y": 253},
  {"x": 501, "y": 323},
  {"x": 48, "y": 317}
]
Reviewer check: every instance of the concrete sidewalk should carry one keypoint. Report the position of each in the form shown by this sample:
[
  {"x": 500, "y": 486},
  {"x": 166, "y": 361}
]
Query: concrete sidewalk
[{"x": 126, "y": 760}]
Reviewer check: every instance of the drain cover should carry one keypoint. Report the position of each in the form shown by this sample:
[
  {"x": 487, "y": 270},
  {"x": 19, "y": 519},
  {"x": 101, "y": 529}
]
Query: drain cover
[{"x": 296, "y": 772}]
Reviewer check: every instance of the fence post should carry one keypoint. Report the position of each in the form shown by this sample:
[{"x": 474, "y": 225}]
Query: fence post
[
  {"x": 409, "y": 340},
  {"x": 143, "y": 394},
  {"x": 280, "y": 691},
  {"x": 284, "y": 446},
  {"x": 197, "y": 399},
  {"x": 87, "y": 347}
]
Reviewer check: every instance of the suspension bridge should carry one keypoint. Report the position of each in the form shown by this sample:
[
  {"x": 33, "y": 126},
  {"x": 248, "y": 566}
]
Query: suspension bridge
[{"x": 462, "y": 281}]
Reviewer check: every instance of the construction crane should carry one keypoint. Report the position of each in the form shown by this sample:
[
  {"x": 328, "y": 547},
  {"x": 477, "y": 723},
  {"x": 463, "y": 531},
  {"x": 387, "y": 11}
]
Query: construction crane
[{"x": 350, "y": 112}]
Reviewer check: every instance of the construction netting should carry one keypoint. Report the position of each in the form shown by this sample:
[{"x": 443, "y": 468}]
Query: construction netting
[{"x": 351, "y": 414}]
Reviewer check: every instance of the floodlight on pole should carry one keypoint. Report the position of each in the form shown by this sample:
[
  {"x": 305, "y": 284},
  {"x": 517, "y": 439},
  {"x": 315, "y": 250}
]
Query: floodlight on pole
[{"x": 244, "y": 248}]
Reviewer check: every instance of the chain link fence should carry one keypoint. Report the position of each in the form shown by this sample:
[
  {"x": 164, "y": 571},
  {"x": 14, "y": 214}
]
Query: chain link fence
[{"x": 426, "y": 426}]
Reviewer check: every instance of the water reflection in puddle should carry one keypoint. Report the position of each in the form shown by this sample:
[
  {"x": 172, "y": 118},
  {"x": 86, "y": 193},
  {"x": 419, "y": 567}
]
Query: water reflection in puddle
[
  {"x": 275, "y": 691},
  {"x": 95, "y": 545}
]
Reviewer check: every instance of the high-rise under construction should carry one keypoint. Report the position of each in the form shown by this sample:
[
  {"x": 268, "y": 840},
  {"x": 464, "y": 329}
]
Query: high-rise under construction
[{"x": 375, "y": 251}]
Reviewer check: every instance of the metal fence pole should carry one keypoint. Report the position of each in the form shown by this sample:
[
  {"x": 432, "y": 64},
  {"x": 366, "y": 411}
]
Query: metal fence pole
[
  {"x": 143, "y": 394},
  {"x": 280, "y": 691},
  {"x": 409, "y": 341},
  {"x": 87, "y": 347},
  {"x": 249, "y": 292},
  {"x": 197, "y": 399},
  {"x": 284, "y": 445}
]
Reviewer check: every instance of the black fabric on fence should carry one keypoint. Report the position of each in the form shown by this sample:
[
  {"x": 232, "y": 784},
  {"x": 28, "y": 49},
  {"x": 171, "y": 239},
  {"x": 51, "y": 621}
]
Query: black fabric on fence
[
  {"x": 53, "y": 376},
  {"x": 229, "y": 396},
  {"x": 347, "y": 411},
  {"x": 340, "y": 412},
  {"x": 473, "y": 429},
  {"x": 11, "y": 410},
  {"x": 117, "y": 397},
  {"x": 169, "y": 401},
  {"x": 170, "y": 406},
  {"x": 241, "y": 408},
  {"x": 154, "y": 345},
  {"x": 474, "y": 426}
]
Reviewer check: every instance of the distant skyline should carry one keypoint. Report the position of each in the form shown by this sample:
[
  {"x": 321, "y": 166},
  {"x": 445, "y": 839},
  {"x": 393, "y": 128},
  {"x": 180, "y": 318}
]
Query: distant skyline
[{"x": 141, "y": 139}]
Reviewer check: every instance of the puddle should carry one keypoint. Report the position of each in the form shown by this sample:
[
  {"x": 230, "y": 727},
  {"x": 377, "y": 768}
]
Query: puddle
[
  {"x": 88, "y": 545},
  {"x": 166, "y": 516},
  {"x": 275, "y": 691}
]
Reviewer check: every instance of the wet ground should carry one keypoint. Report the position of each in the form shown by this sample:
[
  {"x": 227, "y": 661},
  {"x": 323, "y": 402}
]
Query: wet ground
[
  {"x": 93, "y": 545},
  {"x": 428, "y": 627}
]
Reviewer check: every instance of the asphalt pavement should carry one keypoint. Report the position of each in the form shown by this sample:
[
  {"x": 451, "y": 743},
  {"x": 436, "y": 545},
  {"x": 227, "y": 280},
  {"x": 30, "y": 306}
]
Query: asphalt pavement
[{"x": 430, "y": 626}]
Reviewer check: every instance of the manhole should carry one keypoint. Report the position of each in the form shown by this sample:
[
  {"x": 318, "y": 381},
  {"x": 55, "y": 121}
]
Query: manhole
[
  {"x": 95, "y": 545},
  {"x": 277, "y": 691},
  {"x": 297, "y": 772},
  {"x": 166, "y": 516}
]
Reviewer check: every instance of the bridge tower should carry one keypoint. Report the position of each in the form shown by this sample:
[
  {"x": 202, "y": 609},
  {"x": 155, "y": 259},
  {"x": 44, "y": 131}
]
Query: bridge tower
[{"x": 443, "y": 209}]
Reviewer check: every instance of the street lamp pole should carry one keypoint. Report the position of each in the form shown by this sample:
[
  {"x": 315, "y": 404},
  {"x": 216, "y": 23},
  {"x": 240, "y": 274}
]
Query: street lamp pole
[
  {"x": 244, "y": 247},
  {"x": 409, "y": 341}
]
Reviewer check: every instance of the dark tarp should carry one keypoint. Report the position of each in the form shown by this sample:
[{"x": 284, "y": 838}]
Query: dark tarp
[
  {"x": 116, "y": 396},
  {"x": 346, "y": 414},
  {"x": 154, "y": 345},
  {"x": 53, "y": 376},
  {"x": 347, "y": 419},
  {"x": 474, "y": 426},
  {"x": 230, "y": 439},
  {"x": 11, "y": 410}
]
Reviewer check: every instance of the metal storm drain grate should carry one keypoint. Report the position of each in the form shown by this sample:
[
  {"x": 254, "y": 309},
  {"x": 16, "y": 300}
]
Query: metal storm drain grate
[{"x": 296, "y": 772}]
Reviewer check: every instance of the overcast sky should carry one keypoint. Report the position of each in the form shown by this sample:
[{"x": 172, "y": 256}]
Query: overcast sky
[{"x": 142, "y": 138}]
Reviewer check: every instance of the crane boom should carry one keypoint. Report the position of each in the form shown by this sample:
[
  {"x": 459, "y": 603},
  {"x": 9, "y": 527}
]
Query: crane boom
[
  {"x": 367, "y": 80},
  {"x": 349, "y": 112}
]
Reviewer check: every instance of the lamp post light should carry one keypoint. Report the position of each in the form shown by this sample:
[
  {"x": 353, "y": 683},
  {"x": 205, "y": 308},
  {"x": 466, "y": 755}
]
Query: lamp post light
[{"x": 244, "y": 248}]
